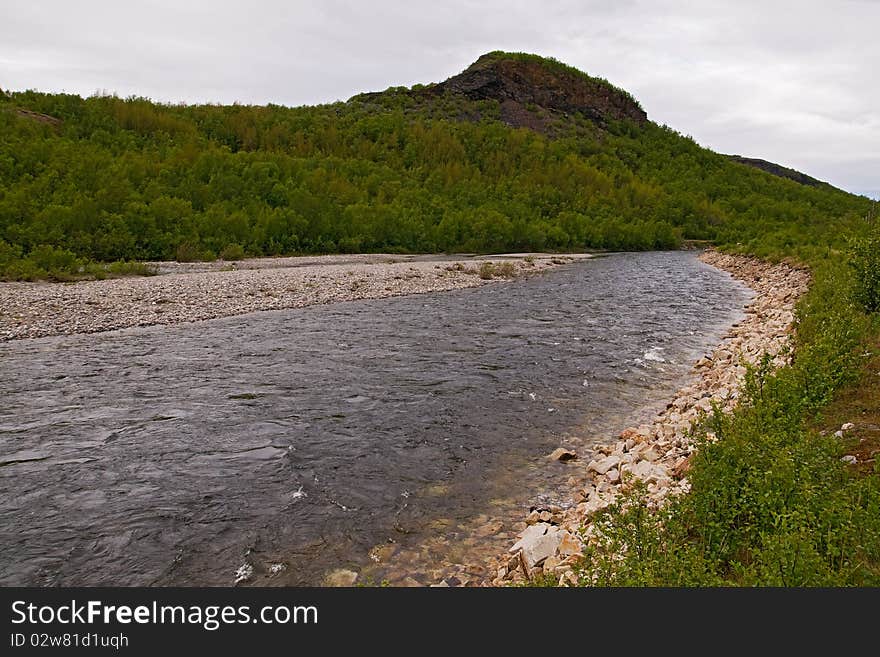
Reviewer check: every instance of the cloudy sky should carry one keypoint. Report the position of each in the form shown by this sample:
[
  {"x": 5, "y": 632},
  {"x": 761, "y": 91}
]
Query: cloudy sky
[{"x": 797, "y": 83}]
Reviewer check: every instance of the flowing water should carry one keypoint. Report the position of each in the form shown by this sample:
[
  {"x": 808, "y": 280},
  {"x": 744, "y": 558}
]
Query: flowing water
[{"x": 173, "y": 455}]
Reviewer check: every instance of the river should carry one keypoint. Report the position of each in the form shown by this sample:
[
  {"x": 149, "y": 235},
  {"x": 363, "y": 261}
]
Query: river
[{"x": 298, "y": 440}]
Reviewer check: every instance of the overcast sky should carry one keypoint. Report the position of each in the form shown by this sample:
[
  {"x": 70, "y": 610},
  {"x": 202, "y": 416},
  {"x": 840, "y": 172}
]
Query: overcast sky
[{"x": 797, "y": 83}]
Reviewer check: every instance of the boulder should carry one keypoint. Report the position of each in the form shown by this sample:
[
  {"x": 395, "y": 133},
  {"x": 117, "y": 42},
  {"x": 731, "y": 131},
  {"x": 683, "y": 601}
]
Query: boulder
[
  {"x": 536, "y": 551},
  {"x": 529, "y": 535},
  {"x": 562, "y": 454},
  {"x": 568, "y": 544},
  {"x": 341, "y": 577},
  {"x": 647, "y": 471},
  {"x": 605, "y": 464}
]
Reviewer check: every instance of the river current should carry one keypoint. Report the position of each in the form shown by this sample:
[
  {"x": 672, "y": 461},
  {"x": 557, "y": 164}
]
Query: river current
[{"x": 174, "y": 455}]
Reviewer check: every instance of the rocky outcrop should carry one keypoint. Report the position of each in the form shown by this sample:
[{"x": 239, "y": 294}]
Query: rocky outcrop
[{"x": 532, "y": 91}]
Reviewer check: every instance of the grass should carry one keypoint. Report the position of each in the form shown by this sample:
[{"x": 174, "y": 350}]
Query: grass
[
  {"x": 489, "y": 270},
  {"x": 857, "y": 403}
]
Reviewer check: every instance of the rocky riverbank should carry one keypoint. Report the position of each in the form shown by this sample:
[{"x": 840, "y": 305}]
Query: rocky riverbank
[
  {"x": 548, "y": 540},
  {"x": 200, "y": 291}
]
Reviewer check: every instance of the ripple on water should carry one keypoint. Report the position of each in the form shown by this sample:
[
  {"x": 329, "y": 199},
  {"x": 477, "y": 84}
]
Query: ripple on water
[{"x": 171, "y": 455}]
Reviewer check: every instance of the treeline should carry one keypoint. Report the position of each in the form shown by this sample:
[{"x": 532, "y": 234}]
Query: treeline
[{"x": 124, "y": 180}]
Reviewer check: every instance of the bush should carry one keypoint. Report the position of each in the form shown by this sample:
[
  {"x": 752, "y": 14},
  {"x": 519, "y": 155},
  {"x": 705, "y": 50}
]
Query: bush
[
  {"x": 232, "y": 252},
  {"x": 864, "y": 259},
  {"x": 489, "y": 270},
  {"x": 190, "y": 252},
  {"x": 54, "y": 260}
]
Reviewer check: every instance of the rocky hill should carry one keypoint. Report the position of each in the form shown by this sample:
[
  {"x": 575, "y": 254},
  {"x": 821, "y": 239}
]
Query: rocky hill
[{"x": 533, "y": 90}]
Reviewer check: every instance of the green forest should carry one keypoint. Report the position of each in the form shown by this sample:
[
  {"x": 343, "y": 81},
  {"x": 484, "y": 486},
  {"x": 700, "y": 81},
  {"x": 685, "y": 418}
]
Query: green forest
[{"x": 106, "y": 179}]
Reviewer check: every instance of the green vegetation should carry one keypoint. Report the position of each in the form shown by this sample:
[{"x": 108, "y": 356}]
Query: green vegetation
[
  {"x": 771, "y": 502},
  {"x": 392, "y": 172},
  {"x": 865, "y": 262},
  {"x": 489, "y": 270}
]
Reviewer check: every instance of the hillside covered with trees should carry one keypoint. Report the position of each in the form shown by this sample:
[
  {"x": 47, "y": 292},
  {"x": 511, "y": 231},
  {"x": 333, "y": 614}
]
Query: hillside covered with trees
[{"x": 516, "y": 153}]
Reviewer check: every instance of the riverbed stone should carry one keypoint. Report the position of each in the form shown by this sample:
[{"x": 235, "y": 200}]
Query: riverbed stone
[
  {"x": 537, "y": 550},
  {"x": 529, "y": 535},
  {"x": 341, "y": 577},
  {"x": 605, "y": 464},
  {"x": 568, "y": 544},
  {"x": 562, "y": 454}
]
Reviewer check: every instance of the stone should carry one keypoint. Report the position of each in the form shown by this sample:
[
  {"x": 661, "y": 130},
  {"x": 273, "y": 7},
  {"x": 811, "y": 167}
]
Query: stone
[
  {"x": 838, "y": 434},
  {"x": 568, "y": 544},
  {"x": 550, "y": 563},
  {"x": 650, "y": 454},
  {"x": 537, "y": 550},
  {"x": 613, "y": 475},
  {"x": 440, "y": 585},
  {"x": 529, "y": 535},
  {"x": 489, "y": 529},
  {"x": 568, "y": 578},
  {"x": 681, "y": 467},
  {"x": 849, "y": 458},
  {"x": 847, "y": 426},
  {"x": 341, "y": 577},
  {"x": 562, "y": 454},
  {"x": 604, "y": 465},
  {"x": 409, "y": 582},
  {"x": 382, "y": 553},
  {"x": 647, "y": 471}
]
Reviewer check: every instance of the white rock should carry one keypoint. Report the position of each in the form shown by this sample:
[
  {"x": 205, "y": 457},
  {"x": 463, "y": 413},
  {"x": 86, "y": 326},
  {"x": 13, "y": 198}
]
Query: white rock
[
  {"x": 848, "y": 426},
  {"x": 244, "y": 573},
  {"x": 647, "y": 471},
  {"x": 529, "y": 535},
  {"x": 540, "y": 548},
  {"x": 562, "y": 454},
  {"x": 849, "y": 458},
  {"x": 605, "y": 464}
]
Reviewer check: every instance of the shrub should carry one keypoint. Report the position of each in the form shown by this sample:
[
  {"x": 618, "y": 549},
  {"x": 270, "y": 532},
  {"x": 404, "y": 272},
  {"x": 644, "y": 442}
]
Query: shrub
[
  {"x": 489, "y": 270},
  {"x": 864, "y": 259},
  {"x": 232, "y": 252}
]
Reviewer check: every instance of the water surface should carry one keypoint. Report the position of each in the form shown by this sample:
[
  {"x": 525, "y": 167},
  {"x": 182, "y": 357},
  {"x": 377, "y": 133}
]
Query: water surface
[{"x": 173, "y": 455}]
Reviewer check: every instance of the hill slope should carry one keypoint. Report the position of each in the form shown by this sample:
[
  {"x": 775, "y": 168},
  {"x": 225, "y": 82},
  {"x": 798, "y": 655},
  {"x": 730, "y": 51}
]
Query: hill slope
[{"x": 517, "y": 152}]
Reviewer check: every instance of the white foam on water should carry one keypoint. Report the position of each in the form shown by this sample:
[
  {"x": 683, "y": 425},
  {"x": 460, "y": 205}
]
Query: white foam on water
[
  {"x": 245, "y": 572},
  {"x": 653, "y": 354}
]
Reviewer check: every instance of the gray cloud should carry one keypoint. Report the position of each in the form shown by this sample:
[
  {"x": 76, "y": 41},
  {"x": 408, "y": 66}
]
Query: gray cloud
[{"x": 793, "y": 82}]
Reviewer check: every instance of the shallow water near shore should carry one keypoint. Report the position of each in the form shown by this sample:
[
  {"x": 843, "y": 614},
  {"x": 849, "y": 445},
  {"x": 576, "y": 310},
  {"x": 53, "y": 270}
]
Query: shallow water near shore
[{"x": 296, "y": 441}]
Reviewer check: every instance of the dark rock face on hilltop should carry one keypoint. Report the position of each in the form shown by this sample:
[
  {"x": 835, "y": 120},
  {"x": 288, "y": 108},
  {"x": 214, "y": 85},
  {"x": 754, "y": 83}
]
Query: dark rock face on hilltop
[
  {"x": 531, "y": 91},
  {"x": 777, "y": 170}
]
